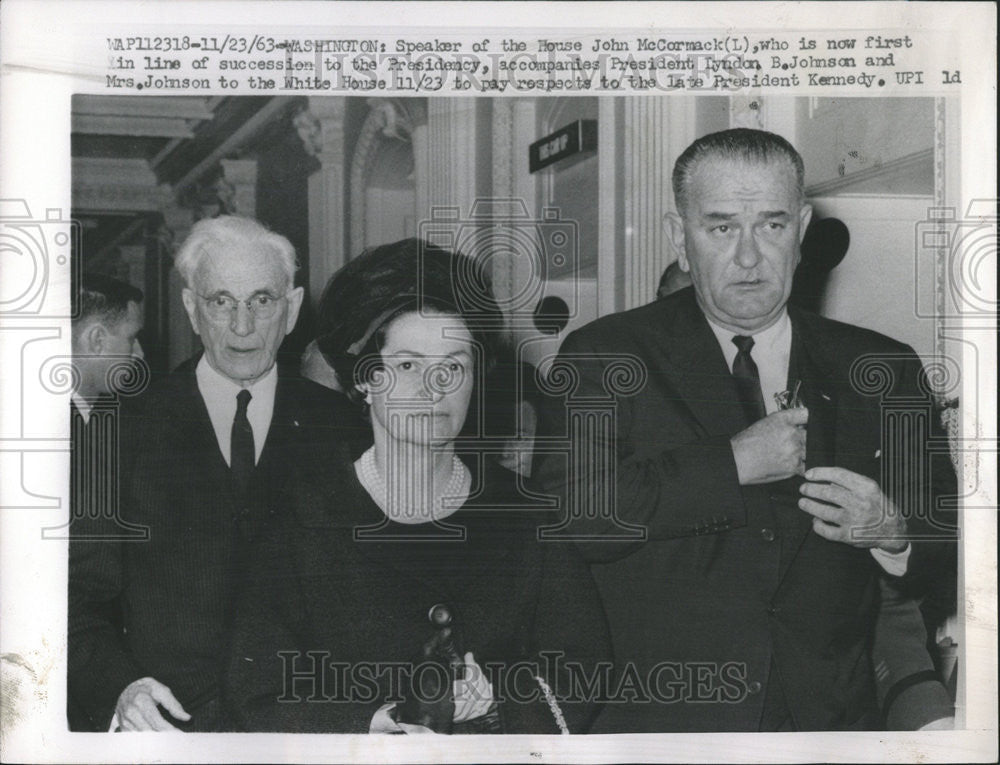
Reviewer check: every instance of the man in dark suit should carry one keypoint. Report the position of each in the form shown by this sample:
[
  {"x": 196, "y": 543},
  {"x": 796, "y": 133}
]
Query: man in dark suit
[
  {"x": 204, "y": 453},
  {"x": 739, "y": 563},
  {"x": 107, "y": 320}
]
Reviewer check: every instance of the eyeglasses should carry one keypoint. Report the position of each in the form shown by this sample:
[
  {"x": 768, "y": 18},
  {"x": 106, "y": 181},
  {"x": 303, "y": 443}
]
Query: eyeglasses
[{"x": 222, "y": 307}]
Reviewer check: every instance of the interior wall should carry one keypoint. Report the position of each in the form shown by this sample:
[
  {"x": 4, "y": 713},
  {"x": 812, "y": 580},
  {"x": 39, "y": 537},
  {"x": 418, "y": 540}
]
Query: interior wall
[
  {"x": 882, "y": 225},
  {"x": 561, "y": 202},
  {"x": 854, "y": 150},
  {"x": 874, "y": 286},
  {"x": 390, "y": 194},
  {"x": 282, "y": 202},
  {"x": 389, "y": 215},
  {"x": 570, "y": 186},
  {"x": 841, "y": 136}
]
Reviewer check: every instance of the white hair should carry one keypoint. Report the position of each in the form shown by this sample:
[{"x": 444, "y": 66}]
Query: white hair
[{"x": 234, "y": 232}]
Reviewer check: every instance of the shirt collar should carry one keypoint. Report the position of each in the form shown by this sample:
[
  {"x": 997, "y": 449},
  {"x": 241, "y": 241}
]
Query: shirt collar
[
  {"x": 767, "y": 341},
  {"x": 218, "y": 386}
]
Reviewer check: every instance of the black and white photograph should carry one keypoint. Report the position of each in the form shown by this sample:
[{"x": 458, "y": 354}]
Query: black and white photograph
[{"x": 613, "y": 391}]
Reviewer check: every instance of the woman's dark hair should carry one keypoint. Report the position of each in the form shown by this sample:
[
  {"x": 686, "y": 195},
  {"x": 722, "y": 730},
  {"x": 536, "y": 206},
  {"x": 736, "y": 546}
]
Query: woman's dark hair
[{"x": 364, "y": 297}]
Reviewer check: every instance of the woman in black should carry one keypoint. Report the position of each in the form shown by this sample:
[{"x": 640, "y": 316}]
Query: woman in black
[{"x": 409, "y": 589}]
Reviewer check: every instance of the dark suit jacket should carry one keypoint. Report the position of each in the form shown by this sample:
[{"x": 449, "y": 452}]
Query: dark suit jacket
[
  {"x": 176, "y": 590},
  {"x": 94, "y": 448},
  {"x": 730, "y": 579},
  {"x": 361, "y": 606}
]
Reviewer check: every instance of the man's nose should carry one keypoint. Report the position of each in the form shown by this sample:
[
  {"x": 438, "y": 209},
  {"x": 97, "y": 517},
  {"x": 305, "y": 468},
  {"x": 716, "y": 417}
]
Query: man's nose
[
  {"x": 747, "y": 251},
  {"x": 242, "y": 319},
  {"x": 137, "y": 351}
]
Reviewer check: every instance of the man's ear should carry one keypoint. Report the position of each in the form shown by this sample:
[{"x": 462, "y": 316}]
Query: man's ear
[
  {"x": 191, "y": 306},
  {"x": 294, "y": 305},
  {"x": 93, "y": 339},
  {"x": 673, "y": 227}
]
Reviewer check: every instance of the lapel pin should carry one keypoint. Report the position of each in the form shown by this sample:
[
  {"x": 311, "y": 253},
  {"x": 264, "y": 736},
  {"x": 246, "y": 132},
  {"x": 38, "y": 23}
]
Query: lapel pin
[
  {"x": 878, "y": 453},
  {"x": 295, "y": 423},
  {"x": 825, "y": 397}
]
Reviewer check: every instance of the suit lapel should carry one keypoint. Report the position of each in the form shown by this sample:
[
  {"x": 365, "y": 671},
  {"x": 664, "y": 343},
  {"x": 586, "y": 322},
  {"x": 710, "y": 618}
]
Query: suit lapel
[
  {"x": 697, "y": 369},
  {"x": 818, "y": 394},
  {"x": 200, "y": 433},
  {"x": 281, "y": 435},
  {"x": 806, "y": 365},
  {"x": 185, "y": 410}
]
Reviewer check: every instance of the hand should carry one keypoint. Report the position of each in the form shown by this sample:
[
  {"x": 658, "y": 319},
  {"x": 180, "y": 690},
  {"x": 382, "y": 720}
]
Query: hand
[
  {"x": 773, "y": 448},
  {"x": 136, "y": 708},
  {"x": 384, "y": 721},
  {"x": 473, "y": 692},
  {"x": 411, "y": 729},
  {"x": 854, "y": 503}
]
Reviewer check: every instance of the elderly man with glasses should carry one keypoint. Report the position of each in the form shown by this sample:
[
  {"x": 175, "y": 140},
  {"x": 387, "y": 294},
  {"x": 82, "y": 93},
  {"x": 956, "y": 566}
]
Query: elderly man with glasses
[{"x": 204, "y": 454}]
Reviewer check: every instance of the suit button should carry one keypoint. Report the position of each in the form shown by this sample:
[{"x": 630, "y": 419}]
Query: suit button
[
  {"x": 773, "y": 610},
  {"x": 754, "y": 687},
  {"x": 767, "y": 535}
]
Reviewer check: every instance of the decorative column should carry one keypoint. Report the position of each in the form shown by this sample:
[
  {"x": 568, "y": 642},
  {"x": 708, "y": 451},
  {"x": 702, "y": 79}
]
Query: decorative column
[
  {"x": 321, "y": 128},
  {"x": 513, "y": 121},
  {"x": 454, "y": 151},
  {"x": 389, "y": 119},
  {"x": 238, "y": 186},
  {"x": 656, "y": 131}
]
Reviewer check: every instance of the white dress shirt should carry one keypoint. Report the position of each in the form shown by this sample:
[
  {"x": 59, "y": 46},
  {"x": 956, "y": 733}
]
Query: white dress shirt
[
  {"x": 219, "y": 394},
  {"x": 771, "y": 351}
]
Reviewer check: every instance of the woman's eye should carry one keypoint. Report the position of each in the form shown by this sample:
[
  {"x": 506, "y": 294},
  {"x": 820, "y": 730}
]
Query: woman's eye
[
  {"x": 455, "y": 367},
  {"x": 406, "y": 366}
]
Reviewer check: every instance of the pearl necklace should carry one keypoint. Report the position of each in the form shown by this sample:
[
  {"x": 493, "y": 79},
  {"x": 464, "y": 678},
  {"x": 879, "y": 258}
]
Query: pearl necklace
[{"x": 457, "y": 490}]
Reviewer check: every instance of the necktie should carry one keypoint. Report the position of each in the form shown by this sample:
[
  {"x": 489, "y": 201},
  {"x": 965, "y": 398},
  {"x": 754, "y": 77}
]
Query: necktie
[
  {"x": 241, "y": 459},
  {"x": 748, "y": 380}
]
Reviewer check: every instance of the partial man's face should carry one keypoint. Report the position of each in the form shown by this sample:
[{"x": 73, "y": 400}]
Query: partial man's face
[
  {"x": 241, "y": 342},
  {"x": 123, "y": 338},
  {"x": 101, "y": 345},
  {"x": 739, "y": 239}
]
